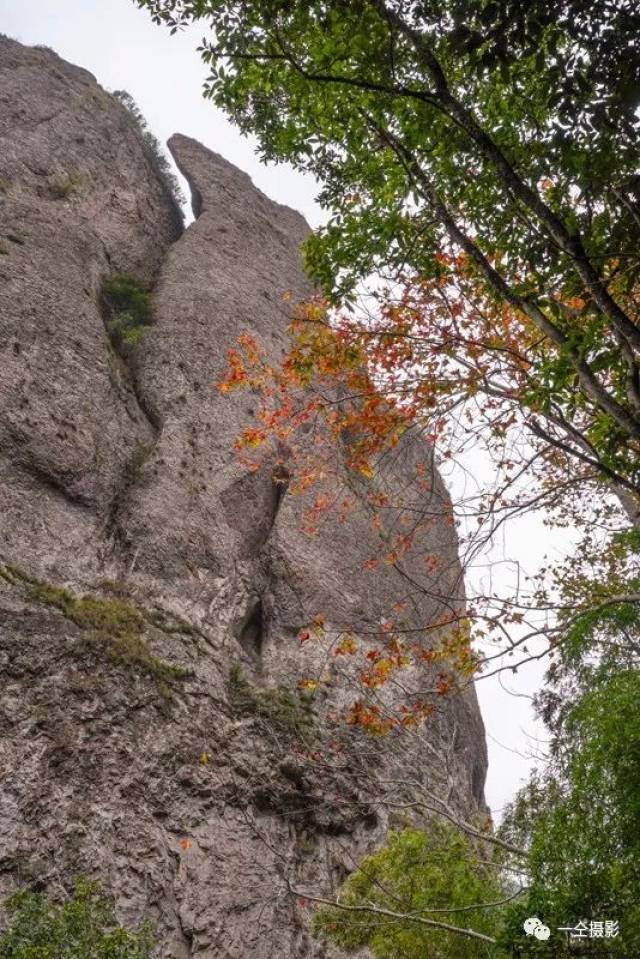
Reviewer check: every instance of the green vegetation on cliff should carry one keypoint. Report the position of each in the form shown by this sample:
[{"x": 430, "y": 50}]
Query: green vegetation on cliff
[
  {"x": 83, "y": 926},
  {"x": 112, "y": 625},
  {"x": 129, "y": 308}
]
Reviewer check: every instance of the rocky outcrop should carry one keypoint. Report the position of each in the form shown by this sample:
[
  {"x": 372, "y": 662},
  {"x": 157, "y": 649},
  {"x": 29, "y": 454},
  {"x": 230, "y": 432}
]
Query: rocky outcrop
[
  {"x": 151, "y": 589},
  {"x": 79, "y": 199}
]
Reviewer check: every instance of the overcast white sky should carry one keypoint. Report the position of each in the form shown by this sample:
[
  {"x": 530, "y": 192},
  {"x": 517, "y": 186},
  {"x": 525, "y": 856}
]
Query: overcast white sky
[{"x": 119, "y": 44}]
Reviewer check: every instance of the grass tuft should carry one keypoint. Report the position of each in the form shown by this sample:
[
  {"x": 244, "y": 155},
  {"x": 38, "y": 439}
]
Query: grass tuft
[
  {"x": 276, "y": 707},
  {"x": 112, "y": 625},
  {"x": 66, "y": 186}
]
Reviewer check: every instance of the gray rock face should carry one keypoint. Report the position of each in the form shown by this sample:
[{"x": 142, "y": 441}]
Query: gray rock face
[
  {"x": 151, "y": 589},
  {"x": 228, "y": 272},
  {"x": 79, "y": 199}
]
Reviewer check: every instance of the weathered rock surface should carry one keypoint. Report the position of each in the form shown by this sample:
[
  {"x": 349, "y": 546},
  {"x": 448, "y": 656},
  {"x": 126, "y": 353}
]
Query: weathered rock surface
[
  {"x": 79, "y": 198},
  {"x": 132, "y": 747}
]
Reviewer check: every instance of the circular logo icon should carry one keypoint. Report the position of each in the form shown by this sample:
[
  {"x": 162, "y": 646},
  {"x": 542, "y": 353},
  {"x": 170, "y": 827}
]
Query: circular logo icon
[{"x": 534, "y": 927}]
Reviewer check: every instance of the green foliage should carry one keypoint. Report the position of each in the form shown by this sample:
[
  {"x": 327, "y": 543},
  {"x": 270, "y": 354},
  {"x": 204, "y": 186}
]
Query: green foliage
[
  {"x": 170, "y": 622},
  {"x": 126, "y": 293},
  {"x": 153, "y": 148},
  {"x": 599, "y": 627},
  {"x": 506, "y": 131},
  {"x": 426, "y": 874},
  {"x": 112, "y": 625},
  {"x": 83, "y": 926},
  {"x": 124, "y": 332},
  {"x": 130, "y": 310},
  {"x": 579, "y": 817},
  {"x": 315, "y": 82},
  {"x": 275, "y": 708},
  {"x": 580, "y": 820},
  {"x": 118, "y": 587}
]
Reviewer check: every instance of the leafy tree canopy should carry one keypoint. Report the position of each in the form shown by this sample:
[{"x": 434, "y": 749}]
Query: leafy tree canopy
[
  {"x": 83, "y": 926},
  {"x": 401, "y": 900},
  {"x": 580, "y": 819},
  {"x": 487, "y": 144},
  {"x": 505, "y": 114}
]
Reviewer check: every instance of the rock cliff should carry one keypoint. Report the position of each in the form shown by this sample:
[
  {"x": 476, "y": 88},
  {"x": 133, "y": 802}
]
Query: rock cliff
[{"x": 151, "y": 589}]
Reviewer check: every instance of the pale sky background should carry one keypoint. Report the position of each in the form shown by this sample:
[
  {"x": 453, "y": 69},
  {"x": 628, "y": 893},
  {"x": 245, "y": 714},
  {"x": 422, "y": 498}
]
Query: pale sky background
[{"x": 124, "y": 50}]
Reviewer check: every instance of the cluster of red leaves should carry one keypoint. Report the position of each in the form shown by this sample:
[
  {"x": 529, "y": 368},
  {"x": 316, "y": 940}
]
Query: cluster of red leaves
[
  {"x": 373, "y": 719},
  {"x": 386, "y": 654},
  {"x": 323, "y": 376},
  {"x": 430, "y": 355},
  {"x": 418, "y": 360},
  {"x": 330, "y": 382}
]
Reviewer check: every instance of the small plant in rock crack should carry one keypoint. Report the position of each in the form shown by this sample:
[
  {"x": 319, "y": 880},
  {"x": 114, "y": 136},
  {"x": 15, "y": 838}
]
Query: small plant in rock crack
[
  {"x": 129, "y": 310},
  {"x": 276, "y": 708},
  {"x": 66, "y": 185}
]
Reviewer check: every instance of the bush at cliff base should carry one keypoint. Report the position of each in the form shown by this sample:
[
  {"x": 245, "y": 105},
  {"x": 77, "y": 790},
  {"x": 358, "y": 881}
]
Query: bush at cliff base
[{"x": 83, "y": 926}]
